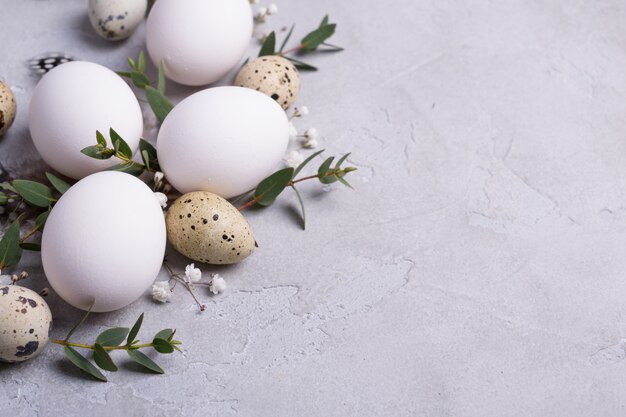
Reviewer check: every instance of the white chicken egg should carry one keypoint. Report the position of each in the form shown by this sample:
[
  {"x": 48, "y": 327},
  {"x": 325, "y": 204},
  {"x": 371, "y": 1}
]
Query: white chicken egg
[
  {"x": 223, "y": 140},
  {"x": 69, "y": 104},
  {"x": 104, "y": 241},
  {"x": 198, "y": 41}
]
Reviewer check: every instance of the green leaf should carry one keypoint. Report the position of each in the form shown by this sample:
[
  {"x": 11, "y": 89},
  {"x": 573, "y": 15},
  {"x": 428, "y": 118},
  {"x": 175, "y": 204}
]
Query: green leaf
[
  {"x": 282, "y": 47},
  {"x": 100, "y": 140},
  {"x": 149, "y": 155},
  {"x": 306, "y": 161},
  {"x": 7, "y": 187},
  {"x": 120, "y": 145},
  {"x": 301, "y": 206},
  {"x": 3, "y": 198},
  {"x": 134, "y": 330},
  {"x": 83, "y": 363},
  {"x": 60, "y": 185},
  {"x": 271, "y": 187},
  {"x": 131, "y": 167},
  {"x": 301, "y": 65},
  {"x": 34, "y": 247},
  {"x": 161, "y": 106},
  {"x": 325, "y": 167},
  {"x": 314, "y": 39},
  {"x": 332, "y": 48},
  {"x": 80, "y": 323},
  {"x": 103, "y": 359},
  {"x": 344, "y": 182},
  {"x": 165, "y": 334},
  {"x": 132, "y": 64},
  {"x": 97, "y": 152},
  {"x": 40, "y": 221},
  {"x": 161, "y": 79},
  {"x": 10, "y": 251},
  {"x": 141, "y": 62},
  {"x": 124, "y": 74},
  {"x": 341, "y": 161},
  {"x": 162, "y": 346},
  {"x": 269, "y": 45},
  {"x": 112, "y": 337},
  {"x": 144, "y": 361},
  {"x": 34, "y": 193},
  {"x": 140, "y": 80}
]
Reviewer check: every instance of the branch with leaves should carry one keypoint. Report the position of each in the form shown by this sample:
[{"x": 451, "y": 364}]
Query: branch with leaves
[
  {"x": 117, "y": 338},
  {"x": 314, "y": 41}
]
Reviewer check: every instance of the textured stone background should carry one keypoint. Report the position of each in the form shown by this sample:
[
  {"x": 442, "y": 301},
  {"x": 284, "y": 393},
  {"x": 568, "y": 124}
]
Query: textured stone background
[{"x": 478, "y": 268}]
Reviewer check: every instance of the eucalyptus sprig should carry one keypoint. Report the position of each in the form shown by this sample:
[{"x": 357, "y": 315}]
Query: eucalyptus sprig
[
  {"x": 156, "y": 97},
  {"x": 122, "y": 151},
  {"x": 41, "y": 198},
  {"x": 314, "y": 41},
  {"x": 271, "y": 187},
  {"x": 117, "y": 338}
]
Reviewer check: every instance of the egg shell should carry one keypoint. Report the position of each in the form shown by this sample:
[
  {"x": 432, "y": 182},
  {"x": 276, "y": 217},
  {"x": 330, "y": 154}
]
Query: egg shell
[
  {"x": 198, "y": 41},
  {"x": 115, "y": 20},
  {"x": 206, "y": 228},
  {"x": 8, "y": 108},
  {"x": 271, "y": 75},
  {"x": 25, "y": 323},
  {"x": 223, "y": 140},
  {"x": 104, "y": 240},
  {"x": 69, "y": 104}
]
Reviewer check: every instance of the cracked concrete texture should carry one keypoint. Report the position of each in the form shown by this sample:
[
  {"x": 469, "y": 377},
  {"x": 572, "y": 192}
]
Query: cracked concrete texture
[{"x": 477, "y": 270}]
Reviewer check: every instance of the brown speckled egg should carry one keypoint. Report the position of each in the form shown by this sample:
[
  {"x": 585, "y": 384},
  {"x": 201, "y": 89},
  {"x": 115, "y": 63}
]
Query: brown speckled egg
[
  {"x": 271, "y": 75},
  {"x": 8, "y": 108},
  {"x": 207, "y": 228},
  {"x": 25, "y": 322}
]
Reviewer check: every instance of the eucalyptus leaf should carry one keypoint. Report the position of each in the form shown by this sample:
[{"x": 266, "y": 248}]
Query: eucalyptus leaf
[
  {"x": 103, "y": 359},
  {"x": 139, "y": 79},
  {"x": 269, "y": 45},
  {"x": 301, "y": 65},
  {"x": 40, "y": 221},
  {"x": 165, "y": 334},
  {"x": 132, "y": 63},
  {"x": 121, "y": 147},
  {"x": 80, "y": 323},
  {"x": 141, "y": 62},
  {"x": 332, "y": 48},
  {"x": 149, "y": 155},
  {"x": 124, "y": 74},
  {"x": 131, "y": 167},
  {"x": 145, "y": 361},
  {"x": 83, "y": 363},
  {"x": 341, "y": 161},
  {"x": 314, "y": 39},
  {"x": 134, "y": 330},
  {"x": 33, "y": 247},
  {"x": 10, "y": 250},
  {"x": 162, "y": 346},
  {"x": 301, "y": 206},
  {"x": 161, "y": 106},
  {"x": 325, "y": 167},
  {"x": 34, "y": 193},
  {"x": 344, "y": 182},
  {"x": 100, "y": 140},
  {"x": 284, "y": 44},
  {"x": 306, "y": 161},
  {"x": 97, "y": 152},
  {"x": 3, "y": 198},
  {"x": 60, "y": 185},
  {"x": 329, "y": 179},
  {"x": 7, "y": 187},
  {"x": 271, "y": 187},
  {"x": 112, "y": 337}
]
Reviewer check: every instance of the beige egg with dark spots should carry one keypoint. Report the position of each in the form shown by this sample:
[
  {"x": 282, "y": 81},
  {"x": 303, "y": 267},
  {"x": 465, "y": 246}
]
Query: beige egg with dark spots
[
  {"x": 207, "y": 228},
  {"x": 25, "y": 323},
  {"x": 8, "y": 108},
  {"x": 271, "y": 75},
  {"x": 115, "y": 20}
]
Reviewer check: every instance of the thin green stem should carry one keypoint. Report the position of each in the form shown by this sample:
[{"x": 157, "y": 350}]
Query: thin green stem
[{"x": 92, "y": 347}]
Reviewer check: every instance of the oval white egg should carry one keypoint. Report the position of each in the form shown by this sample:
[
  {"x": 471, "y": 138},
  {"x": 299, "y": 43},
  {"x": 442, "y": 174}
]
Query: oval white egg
[
  {"x": 69, "y": 104},
  {"x": 223, "y": 140},
  {"x": 198, "y": 41},
  {"x": 105, "y": 241}
]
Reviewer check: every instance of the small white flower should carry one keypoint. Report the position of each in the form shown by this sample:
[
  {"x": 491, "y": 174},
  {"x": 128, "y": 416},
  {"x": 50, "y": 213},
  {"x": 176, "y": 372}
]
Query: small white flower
[
  {"x": 311, "y": 133},
  {"x": 218, "y": 284},
  {"x": 161, "y": 291},
  {"x": 310, "y": 144},
  {"x": 161, "y": 198},
  {"x": 272, "y": 9},
  {"x": 293, "y": 159},
  {"x": 158, "y": 177},
  {"x": 304, "y": 110},
  {"x": 192, "y": 273},
  {"x": 261, "y": 14},
  {"x": 293, "y": 131}
]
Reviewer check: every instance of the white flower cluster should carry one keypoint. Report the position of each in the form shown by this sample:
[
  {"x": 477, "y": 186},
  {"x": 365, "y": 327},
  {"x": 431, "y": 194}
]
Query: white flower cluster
[
  {"x": 264, "y": 12},
  {"x": 162, "y": 290},
  {"x": 310, "y": 136}
]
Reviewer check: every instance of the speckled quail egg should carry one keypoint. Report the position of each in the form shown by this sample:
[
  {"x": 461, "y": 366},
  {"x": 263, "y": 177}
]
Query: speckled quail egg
[
  {"x": 8, "y": 108},
  {"x": 115, "y": 20},
  {"x": 25, "y": 322},
  {"x": 207, "y": 228},
  {"x": 271, "y": 75}
]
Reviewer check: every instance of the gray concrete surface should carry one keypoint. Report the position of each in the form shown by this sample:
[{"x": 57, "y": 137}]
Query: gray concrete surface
[{"x": 477, "y": 270}]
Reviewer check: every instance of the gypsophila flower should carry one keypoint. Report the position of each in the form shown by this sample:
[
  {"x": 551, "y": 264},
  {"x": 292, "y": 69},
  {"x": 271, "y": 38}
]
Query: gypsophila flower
[
  {"x": 193, "y": 274},
  {"x": 161, "y": 291},
  {"x": 261, "y": 14},
  {"x": 293, "y": 159},
  {"x": 310, "y": 144},
  {"x": 158, "y": 177},
  {"x": 161, "y": 198},
  {"x": 304, "y": 110},
  {"x": 218, "y": 284},
  {"x": 293, "y": 131},
  {"x": 272, "y": 9},
  {"x": 311, "y": 133}
]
